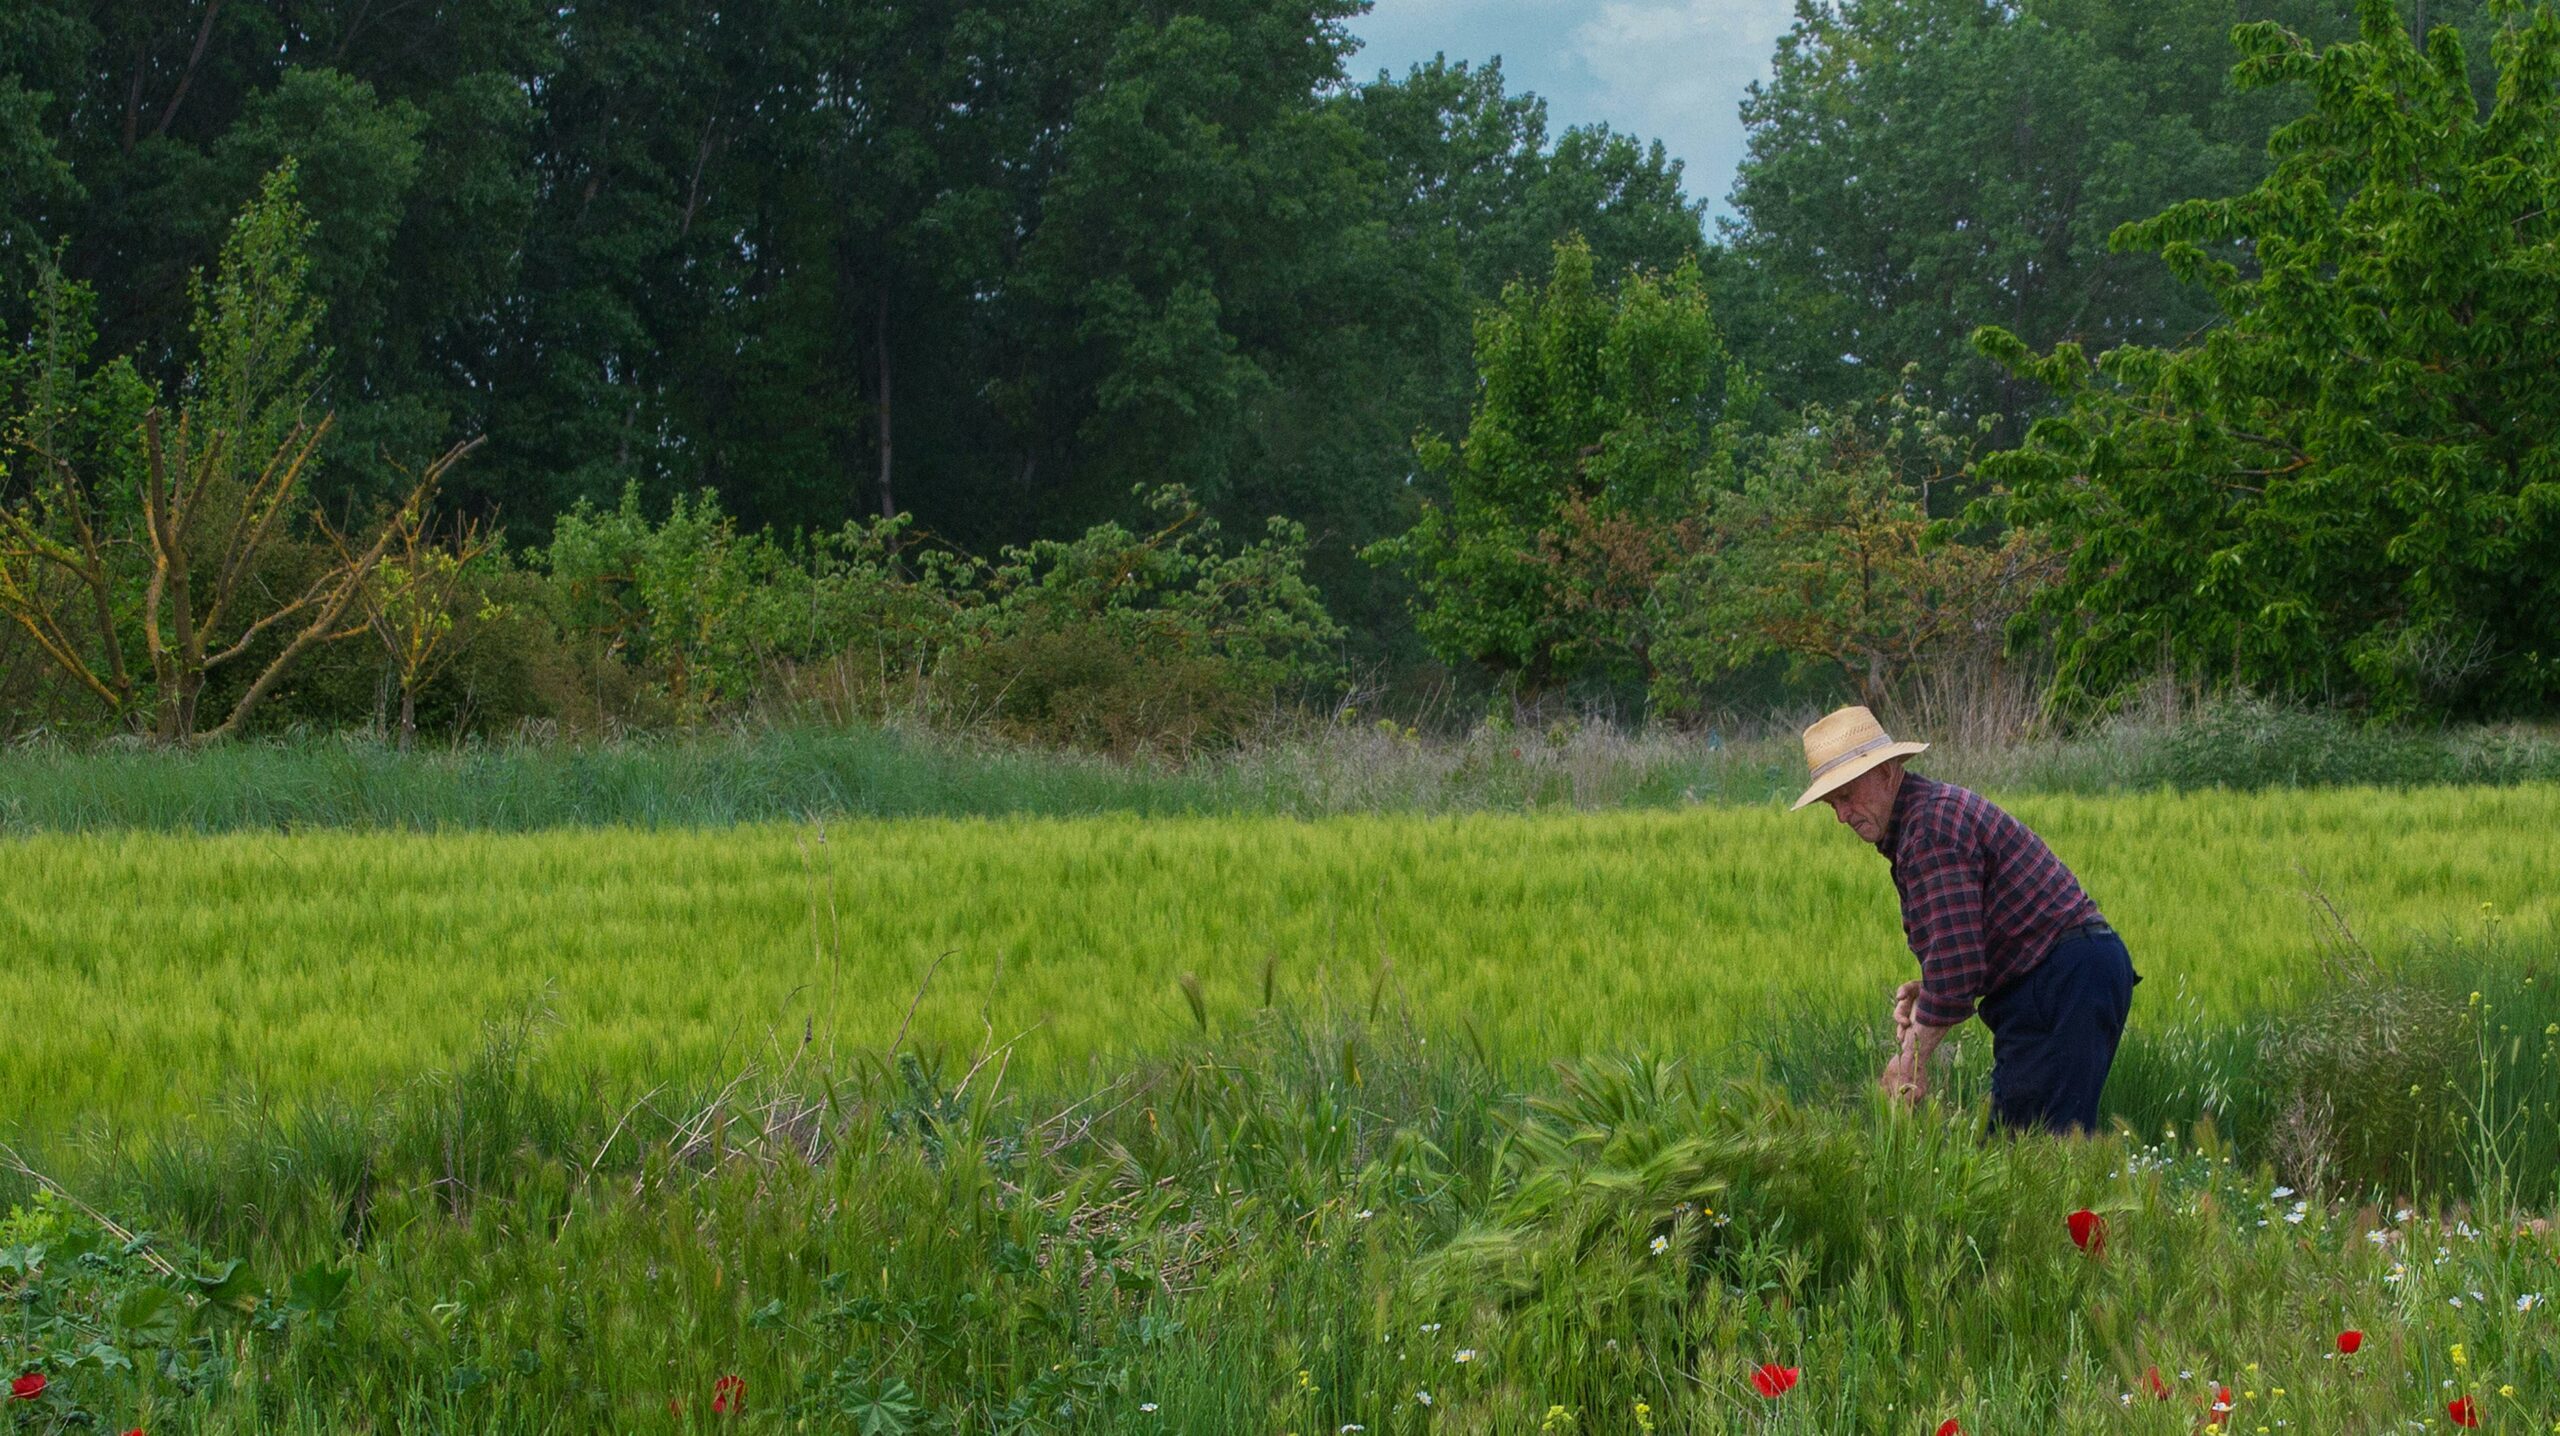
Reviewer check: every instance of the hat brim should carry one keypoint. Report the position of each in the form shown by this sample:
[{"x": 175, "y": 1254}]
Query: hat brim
[{"x": 1848, "y": 772}]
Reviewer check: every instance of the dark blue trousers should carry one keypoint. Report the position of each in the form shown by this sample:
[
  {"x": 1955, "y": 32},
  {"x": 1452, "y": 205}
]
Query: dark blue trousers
[{"x": 2054, "y": 1033}]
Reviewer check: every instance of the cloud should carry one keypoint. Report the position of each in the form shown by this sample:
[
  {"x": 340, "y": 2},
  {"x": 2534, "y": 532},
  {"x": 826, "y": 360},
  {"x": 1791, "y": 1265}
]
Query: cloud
[
  {"x": 1672, "y": 70},
  {"x": 1676, "y": 69}
]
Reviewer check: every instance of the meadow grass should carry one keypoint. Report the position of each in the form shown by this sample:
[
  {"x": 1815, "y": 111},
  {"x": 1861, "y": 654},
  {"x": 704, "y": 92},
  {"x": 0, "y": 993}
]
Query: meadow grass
[
  {"x": 1289, "y": 1226},
  {"x": 1300, "y": 768},
  {"x": 779, "y": 774},
  {"x": 1244, "y": 1124},
  {"x": 151, "y": 972}
]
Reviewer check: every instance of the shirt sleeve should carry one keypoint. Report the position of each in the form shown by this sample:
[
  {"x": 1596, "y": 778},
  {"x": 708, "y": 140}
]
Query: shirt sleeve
[{"x": 1942, "y": 915}]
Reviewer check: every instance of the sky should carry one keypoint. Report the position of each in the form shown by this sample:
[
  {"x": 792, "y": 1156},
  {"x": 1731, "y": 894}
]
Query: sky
[{"x": 1672, "y": 70}]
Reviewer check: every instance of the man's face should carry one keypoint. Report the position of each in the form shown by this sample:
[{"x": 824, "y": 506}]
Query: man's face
[{"x": 1865, "y": 802}]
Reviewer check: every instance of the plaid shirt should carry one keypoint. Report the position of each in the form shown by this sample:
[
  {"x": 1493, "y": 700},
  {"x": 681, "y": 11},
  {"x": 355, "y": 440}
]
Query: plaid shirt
[{"x": 1983, "y": 899}]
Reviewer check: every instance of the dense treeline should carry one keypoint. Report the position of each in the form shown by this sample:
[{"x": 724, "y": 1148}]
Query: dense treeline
[
  {"x": 989, "y": 272},
  {"x": 988, "y": 264}
]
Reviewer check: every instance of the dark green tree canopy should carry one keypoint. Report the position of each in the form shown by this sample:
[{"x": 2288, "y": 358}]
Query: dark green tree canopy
[
  {"x": 995, "y": 265},
  {"x": 1920, "y": 167},
  {"x": 2348, "y": 489}
]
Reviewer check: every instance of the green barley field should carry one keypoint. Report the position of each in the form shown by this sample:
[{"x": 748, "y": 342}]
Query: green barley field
[
  {"x": 149, "y": 972},
  {"x": 1388, "y": 1123}
]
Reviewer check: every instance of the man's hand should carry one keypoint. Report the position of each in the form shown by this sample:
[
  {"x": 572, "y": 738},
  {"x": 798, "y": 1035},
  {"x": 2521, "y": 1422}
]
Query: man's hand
[
  {"x": 1906, "y": 1077},
  {"x": 1906, "y": 1009}
]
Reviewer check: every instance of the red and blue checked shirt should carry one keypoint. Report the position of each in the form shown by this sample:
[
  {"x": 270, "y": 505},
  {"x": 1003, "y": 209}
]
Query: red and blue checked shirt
[{"x": 1983, "y": 899}]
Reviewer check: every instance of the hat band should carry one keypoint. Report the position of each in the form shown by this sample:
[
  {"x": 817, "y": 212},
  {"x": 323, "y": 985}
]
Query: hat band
[{"x": 1881, "y": 740}]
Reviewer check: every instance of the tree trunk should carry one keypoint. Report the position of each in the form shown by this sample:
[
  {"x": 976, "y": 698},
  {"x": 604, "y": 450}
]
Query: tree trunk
[
  {"x": 408, "y": 717},
  {"x": 880, "y": 341}
]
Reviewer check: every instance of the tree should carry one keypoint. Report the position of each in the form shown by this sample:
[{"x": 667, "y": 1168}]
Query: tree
[
  {"x": 1824, "y": 554},
  {"x": 2347, "y": 489},
  {"x": 1916, "y": 168},
  {"x": 66, "y": 496},
  {"x": 1582, "y": 458},
  {"x": 224, "y": 578},
  {"x": 408, "y": 127},
  {"x": 420, "y": 599}
]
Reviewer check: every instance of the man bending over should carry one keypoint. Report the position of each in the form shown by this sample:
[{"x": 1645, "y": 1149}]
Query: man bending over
[{"x": 2000, "y": 926}]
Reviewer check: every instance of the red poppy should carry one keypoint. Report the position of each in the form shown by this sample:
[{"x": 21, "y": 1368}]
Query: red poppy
[
  {"x": 2348, "y": 1341},
  {"x": 2088, "y": 1231},
  {"x": 2221, "y": 1397},
  {"x": 1949, "y": 1427},
  {"x": 2151, "y": 1382},
  {"x": 1773, "y": 1381},
  {"x": 28, "y": 1387},
  {"x": 2462, "y": 1412},
  {"x": 728, "y": 1394}
]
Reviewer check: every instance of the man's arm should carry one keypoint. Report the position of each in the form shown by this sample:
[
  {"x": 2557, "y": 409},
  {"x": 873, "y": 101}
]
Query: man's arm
[
  {"x": 1942, "y": 912},
  {"x": 1942, "y": 909}
]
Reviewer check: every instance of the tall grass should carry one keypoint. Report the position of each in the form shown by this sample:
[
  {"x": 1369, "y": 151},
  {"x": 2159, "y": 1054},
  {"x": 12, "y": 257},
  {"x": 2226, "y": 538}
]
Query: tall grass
[
  {"x": 1309, "y": 769},
  {"x": 1283, "y": 1226},
  {"x": 148, "y": 972},
  {"x": 789, "y": 774}
]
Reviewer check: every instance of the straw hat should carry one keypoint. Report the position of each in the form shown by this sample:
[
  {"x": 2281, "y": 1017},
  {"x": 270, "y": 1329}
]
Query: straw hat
[{"x": 1844, "y": 744}]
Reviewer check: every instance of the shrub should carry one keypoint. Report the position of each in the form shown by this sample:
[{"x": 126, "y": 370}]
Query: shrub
[{"x": 1126, "y": 642}]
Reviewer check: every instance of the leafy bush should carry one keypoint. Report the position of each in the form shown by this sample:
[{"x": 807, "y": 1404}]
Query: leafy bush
[
  {"x": 1124, "y": 642},
  {"x": 1115, "y": 641},
  {"x": 108, "y": 1319},
  {"x": 1821, "y": 551},
  {"x": 1568, "y": 494}
]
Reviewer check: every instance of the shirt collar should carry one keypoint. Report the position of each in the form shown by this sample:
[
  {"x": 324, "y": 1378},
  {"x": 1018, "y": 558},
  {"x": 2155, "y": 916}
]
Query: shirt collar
[{"x": 1914, "y": 789}]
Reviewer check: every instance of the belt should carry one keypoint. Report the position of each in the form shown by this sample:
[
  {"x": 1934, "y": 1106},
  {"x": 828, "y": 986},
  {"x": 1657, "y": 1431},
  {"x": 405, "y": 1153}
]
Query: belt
[{"x": 2095, "y": 928}]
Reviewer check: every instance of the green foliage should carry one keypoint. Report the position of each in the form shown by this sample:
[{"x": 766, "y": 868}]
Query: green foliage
[
  {"x": 2345, "y": 491},
  {"x": 1118, "y": 641},
  {"x": 70, "y": 480},
  {"x": 34, "y": 182},
  {"x": 1112, "y": 641},
  {"x": 2249, "y": 743},
  {"x": 1917, "y": 168},
  {"x": 115, "y": 1321},
  {"x": 682, "y": 596},
  {"x": 1053, "y": 251},
  {"x": 1582, "y": 457},
  {"x": 190, "y": 547},
  {"x": 258, "y": 363},
  {"x": 1823, "y": 554}
]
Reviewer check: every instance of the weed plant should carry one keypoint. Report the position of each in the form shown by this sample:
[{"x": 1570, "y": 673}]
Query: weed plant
[{"x": 1286, "y": 1225}]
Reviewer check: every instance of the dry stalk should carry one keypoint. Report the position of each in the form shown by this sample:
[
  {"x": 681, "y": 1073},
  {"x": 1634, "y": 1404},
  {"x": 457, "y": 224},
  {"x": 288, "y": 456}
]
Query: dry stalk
[{"x": 107, "y": 1223}]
